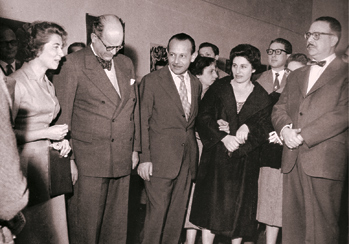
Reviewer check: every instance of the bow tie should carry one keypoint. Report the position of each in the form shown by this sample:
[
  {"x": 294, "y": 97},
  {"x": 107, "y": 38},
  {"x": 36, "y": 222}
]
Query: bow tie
[
  {"x": 105, "y": 64},
  {"x": 320, "y": 63}
]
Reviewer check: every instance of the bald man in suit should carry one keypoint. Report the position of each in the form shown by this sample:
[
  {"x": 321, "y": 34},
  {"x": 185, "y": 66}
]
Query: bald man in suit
[
  {"x": 99, "y": 100},
  {"x": 169, "y": 105}
]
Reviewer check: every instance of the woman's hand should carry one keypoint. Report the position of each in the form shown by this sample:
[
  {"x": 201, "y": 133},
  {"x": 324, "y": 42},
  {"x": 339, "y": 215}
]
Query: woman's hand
[
  {"x": 242, "y": 133},
  {"x": 63, "y": 147},
  {"x": 231, "y": 143},
  {"x": 74, "y": 171},
  {"x": 223, "y": 126},
  {"x": 57, "y": 132}
]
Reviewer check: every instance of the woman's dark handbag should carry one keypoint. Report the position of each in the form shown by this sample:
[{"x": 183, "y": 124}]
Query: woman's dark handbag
[{"x": 60, "y": 180}]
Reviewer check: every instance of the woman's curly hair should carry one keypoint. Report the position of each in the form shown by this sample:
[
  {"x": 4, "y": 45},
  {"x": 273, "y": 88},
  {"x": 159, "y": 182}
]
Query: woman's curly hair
[{"x": 38, "y": 34}]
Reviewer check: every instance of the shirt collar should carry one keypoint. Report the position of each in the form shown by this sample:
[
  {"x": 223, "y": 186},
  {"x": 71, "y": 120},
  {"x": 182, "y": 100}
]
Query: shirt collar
[
  {"x": 175, "y": 75},
  {"x": 4, "y": 64}
]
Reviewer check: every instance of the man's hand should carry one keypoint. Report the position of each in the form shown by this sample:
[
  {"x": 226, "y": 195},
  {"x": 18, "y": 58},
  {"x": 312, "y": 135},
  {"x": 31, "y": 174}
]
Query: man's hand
[
  {"x": 74, "y": 171},
  {"x": 145, "y": 170},
  {"x": 292, "y": 137},
  {"x": 135, "y": 159},
  {"x": 231, "y": 143}
]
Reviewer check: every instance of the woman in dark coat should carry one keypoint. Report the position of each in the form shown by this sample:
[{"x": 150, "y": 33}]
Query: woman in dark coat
[{"x": 225, "y": 198}]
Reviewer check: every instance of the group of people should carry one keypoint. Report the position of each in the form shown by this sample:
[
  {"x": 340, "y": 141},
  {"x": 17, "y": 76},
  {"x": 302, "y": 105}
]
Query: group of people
[{"x": 270, "y": 147}]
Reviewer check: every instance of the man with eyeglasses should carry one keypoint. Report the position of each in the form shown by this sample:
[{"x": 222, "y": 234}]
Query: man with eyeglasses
[
  {"x": 270, "y": 179},
  {"x": 98, "y": 95},
  {"x": 312, "y": 118},
  {"x": 8, "y": 51}
]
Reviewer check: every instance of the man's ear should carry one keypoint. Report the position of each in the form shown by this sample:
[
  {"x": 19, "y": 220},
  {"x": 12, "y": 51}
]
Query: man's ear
[
  {"x": 216, "y": 57},
  {"x": 334, "y": 40},
  {"x": 193, "y": 56}
]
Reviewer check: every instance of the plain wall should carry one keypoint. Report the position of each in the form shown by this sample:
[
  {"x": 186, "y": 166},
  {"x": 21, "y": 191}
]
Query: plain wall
[{"x": 155, "y": 21}]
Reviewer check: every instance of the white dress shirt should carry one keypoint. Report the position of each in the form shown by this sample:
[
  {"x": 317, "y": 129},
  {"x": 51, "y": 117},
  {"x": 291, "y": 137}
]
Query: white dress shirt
[{"x": 316, "y": 71}]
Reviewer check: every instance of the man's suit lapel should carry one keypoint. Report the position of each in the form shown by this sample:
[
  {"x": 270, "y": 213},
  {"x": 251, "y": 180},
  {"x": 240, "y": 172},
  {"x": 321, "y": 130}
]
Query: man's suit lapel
[
  {"x": 124, "y": 84},
  {"x": 327, "y": 75},
  {"x": 194, "y": 96},
  {"x": 302, "y": 79},
  {"x": 169, "y": 86},
  {"x": 97, "y": 75}
]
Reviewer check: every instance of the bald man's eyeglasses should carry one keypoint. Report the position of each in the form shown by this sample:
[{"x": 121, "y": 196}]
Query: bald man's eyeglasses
[
  {"x": 316, "y": 35},
  {"x": 111, "y": 48},
  {"x": 13, "y": 43}
]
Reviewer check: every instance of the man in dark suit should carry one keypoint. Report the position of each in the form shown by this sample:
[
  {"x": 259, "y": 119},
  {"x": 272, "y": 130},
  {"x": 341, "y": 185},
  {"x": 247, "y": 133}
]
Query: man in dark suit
[
  {"x": 169, "y": 105},
  {"x": 312, "y": 118},
  {"x": 275, "y": 78},
  {"x": 99, "y": 102},
  {"x": 8, "y": 50}
]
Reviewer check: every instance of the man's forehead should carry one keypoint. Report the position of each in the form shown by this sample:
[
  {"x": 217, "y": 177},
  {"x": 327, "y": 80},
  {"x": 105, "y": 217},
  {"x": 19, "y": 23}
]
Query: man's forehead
[{"x": 320, "y": 26}]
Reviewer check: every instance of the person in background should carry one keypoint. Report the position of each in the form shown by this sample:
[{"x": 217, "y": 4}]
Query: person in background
[
  {"x": 99, "y": 98},
  {"x": 76, "y": 46},
  {"x": 269, "y": 210},
  {"x": 169, "y": 105},
  {"x": 225, "y": 196},
  {"x": 295, "y": 61},
  {"x": 207, "y": 49},
  {"x": 13, "y": 185},
  {"x": 204, "y": 68},
  {"x": 35, "y": 107},
  {"x": 8, "y": 50},
  {"x": 311, "y": 117}
]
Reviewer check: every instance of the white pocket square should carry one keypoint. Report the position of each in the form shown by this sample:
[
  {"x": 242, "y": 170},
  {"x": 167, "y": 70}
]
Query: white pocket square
[{"x": 132, "y": 81}]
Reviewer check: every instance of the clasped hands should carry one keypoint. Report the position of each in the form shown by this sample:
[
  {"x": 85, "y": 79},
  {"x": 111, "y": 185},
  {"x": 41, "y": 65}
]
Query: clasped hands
[
  {"x": 231, "y": 142},
  {"x": 292, "y": 137}
]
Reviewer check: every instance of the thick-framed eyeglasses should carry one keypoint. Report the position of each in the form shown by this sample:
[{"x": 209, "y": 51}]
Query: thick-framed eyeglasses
[
  {"x": 277, "y": 51},
  {"x": 110, "y": 48},
  {"x": 316, "y": 35},
  {"x": 13, "y": 43}
]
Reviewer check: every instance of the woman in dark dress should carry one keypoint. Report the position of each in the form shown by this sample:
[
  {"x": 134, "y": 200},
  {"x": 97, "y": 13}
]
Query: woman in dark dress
[{"x": 225, "y": 198}]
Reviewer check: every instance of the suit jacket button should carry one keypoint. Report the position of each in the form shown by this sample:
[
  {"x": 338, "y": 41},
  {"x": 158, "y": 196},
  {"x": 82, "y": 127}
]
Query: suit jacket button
[
  {"x": 183, "y": 144},
  {"x": 300, "y": 113},
  {"x": 183, "y": 115},
  {"x": 134, "y": 99},
  {"x": 103, "y": 102},
  {"x": 131, "y": 139},
  {"x": 112, "y": 140},
  {"x": 113, "y": 120}
]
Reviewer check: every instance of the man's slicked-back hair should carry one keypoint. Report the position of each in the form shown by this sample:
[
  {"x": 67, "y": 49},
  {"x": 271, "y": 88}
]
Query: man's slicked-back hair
[
  {"x": 287, "y": 44},
  {"x": 334, "y": 25},
  {"x": 183, "y": 37},
  {"x": 99, "y": 24},
  {"x": 213, "y": 46}
]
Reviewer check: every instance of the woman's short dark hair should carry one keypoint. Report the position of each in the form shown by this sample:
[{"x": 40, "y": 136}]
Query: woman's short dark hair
[
  {"x": 39, "y": 34},
  {"x": 251, "y": 53},
  {"x": 200, "y": 63}
]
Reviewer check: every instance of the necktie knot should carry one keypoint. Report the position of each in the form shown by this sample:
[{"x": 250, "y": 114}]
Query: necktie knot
[
  {"x": 320, "y": 63},
  {"x": 9, "y": 69},
  {"x": 277, "y": 74},
  {"x": 105, "y": 64}
]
